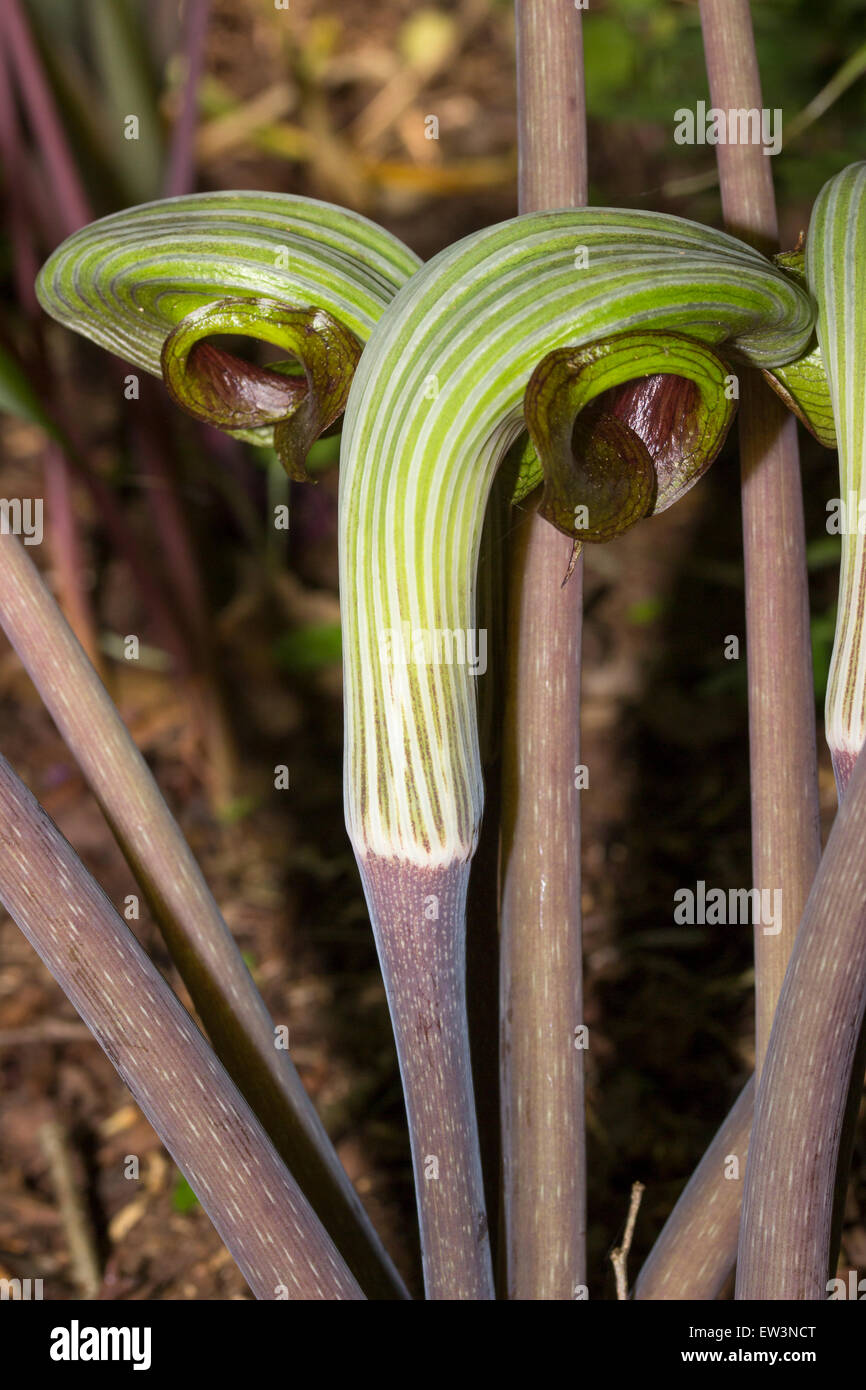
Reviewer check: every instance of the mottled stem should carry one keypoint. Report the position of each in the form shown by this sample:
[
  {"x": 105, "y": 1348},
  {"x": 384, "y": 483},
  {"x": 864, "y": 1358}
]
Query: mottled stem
[
  {"x": 418, "y": 914},
  {"x": 67, "y": 550},
  {"x": 544, "y": 1171},
  {"x": 786, "y": 842},
  {"x": 68, "y": 198},
  {"x": 800, "y": 1109},
  {"x": 200, "y": 943},
  {"x": 205, "y": 1123}
]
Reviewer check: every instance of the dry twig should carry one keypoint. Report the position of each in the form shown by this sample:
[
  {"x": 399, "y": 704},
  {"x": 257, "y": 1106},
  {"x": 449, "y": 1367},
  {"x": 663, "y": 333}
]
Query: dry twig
[{"x": 619, "y": 1256}]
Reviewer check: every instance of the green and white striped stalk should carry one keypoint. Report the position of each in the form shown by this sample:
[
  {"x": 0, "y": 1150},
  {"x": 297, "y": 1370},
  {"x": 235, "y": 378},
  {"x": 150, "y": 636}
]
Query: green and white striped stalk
[
  {"x": 836, "y": 272},
  {"x": 148, "y": 284},
  {"x": 435, "y": 405},
  {"x": 563, "y": 309}
]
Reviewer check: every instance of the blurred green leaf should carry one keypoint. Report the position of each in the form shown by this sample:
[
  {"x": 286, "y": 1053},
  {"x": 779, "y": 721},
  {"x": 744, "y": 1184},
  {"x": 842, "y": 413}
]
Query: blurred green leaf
[
  {"x": 183, "y": 1198},
  {"x": 324, "y": 454},
  {"x": 19, "y": 398},
  {"x": 127, "y": 79},
  {"x": 645, "y": 611},
  {"x": 730, "y": 679},
  {"x": 824, "y": 553},
  {"x": 609, "y": 52},
  {"x": 823, "y": 627},
  {"x": 310, "y": 648},
  {"x": 237, "y": 810}
]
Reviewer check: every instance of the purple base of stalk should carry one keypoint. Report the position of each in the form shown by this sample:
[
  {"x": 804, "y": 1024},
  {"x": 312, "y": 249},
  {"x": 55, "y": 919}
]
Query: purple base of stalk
[
  {"x": 210, "y": 1130},
  {"x": 844, "y": 762},
  {"x": 200, "y": 943},
  {"x": 418, "y": 916},
  {"x": 787, "y": 1220}
]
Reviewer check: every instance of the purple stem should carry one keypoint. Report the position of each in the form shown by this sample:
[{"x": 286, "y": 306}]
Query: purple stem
[
  {"x": 203, "y": 1120},
  {"x": 543, "y": 1133},
  {"x": 67, "y": 191},
  {"x": 181, "y": 158}
]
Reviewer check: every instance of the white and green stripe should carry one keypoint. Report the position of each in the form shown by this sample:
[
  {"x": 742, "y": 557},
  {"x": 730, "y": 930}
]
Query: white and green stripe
[
  {"x": 435, "y": 404},
  {"x": 127, "y": 280},
  {"x": 836, "y": 270}
]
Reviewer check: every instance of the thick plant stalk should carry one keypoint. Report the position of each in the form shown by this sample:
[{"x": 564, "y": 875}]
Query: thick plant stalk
[
  {"x": 786, "y": 842},
  {"x": 544, "y": 1159},
  {"x": 786, "y": 838},
  {"x": 785, "y": 826},
  {"x": 424, "y": 969},
  {"x": 834, "y": 263},
  {"x": 67, "y": 552},
  {"x": 789, "y": 1192},
  {"x": 131, "y": 282},
  {"x": 435, "y": 404},
  {"x": 200, "y": 943},
  {"x": 256, "y": 1206},
  {"x": 835, "y": 256},
  {"x": 837, "y": 244}
]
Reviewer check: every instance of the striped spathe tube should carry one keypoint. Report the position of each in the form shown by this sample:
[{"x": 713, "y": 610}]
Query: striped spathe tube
[
  {"x": 435, "y": 404},
  {"x": 437, "y": 400},
  {"x": 836, "y": 270}
]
